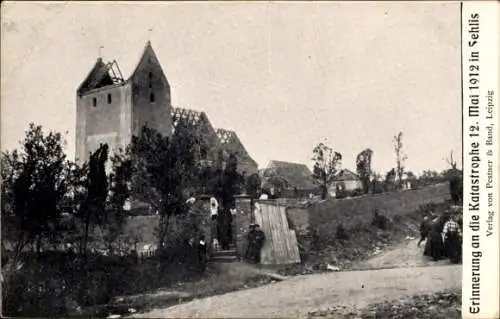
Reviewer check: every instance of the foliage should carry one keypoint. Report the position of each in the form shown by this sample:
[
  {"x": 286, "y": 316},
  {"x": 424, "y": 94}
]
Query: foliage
[
  {"x": 400, "y": 158},
  {"x": 364, "y": 169},
  {"x": 33, "y": 188},
  {"x": 252, "y": 185},
  {"x": 92, "y": 211},
  {"x": 231, "y": 182},
  {"x": 47, "y": 199},
  {"x": 390, "y": 179},
  {"x": 119, "y": 193},
  {"x": 326, "y": 163},
  {"x": 379, "y": 221},
  {"x": 341, "y": 233},
  {"x": 163, "y": 169}
]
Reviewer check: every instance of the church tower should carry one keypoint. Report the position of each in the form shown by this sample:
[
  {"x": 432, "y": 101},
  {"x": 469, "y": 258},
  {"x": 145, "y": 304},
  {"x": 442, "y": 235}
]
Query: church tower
[{"x": 111, "y": 109}]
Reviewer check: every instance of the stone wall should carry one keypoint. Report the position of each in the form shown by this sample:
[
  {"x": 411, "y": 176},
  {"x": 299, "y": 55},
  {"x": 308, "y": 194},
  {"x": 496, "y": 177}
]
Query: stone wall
[{"x": 325, "y": 216}]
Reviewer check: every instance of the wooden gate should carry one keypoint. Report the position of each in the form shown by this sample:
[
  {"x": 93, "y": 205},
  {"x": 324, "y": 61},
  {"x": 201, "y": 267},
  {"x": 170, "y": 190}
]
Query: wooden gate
[{"x": 281, "y": 245}]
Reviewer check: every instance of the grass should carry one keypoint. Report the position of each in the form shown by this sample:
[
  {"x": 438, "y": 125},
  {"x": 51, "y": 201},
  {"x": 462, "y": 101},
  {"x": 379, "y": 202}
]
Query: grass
[
  {"x": 218, "y": 279},
  {"x": 442, "y": 305}
]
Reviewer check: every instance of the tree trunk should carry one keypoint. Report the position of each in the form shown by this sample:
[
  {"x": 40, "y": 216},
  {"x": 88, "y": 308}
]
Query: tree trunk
[
  {"x": 163, "y": 228},
  {"x": 324, "y": 192},
  {"x": 83, "y": 246}
]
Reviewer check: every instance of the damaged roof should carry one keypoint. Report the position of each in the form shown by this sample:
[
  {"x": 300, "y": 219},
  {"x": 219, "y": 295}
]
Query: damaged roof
[
  {"x": 106, "y": 74},
  {"x": 226, "y": 136},
  {"x": 192, "y": 117}
]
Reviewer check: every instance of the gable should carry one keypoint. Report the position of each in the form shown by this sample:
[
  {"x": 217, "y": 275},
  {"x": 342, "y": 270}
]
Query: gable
[
  {"x": 295, "y": 174},
  {"x": 347, "y": 175},
  {"x": 148, "y": 63}
]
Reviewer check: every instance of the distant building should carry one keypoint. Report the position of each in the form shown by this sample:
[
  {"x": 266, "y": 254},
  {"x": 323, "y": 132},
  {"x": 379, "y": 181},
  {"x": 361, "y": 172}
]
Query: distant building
[
  {"x": 286, "y": 179},
  {"x": 345, "y": 181}
]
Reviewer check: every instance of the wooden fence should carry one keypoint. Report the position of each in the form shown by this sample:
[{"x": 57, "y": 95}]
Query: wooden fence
[{"x": 281, "y": 245}]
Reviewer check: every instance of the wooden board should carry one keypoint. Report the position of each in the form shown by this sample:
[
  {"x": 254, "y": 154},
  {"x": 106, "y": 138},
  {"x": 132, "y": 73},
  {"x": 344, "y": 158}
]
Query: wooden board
[{"x": 281, "y": 245}]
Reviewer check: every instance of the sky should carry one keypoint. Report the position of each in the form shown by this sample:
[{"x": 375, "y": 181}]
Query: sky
[{"x": 284, "y": 76}]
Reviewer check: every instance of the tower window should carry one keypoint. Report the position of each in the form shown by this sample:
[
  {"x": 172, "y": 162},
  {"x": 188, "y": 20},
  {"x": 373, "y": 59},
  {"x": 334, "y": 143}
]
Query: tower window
[
  {"x": 94, "y": 102},
  {"x": 151, "y": 97},
  {"x": 150, "y": 80},
  {"x": 109, "y": 98}
]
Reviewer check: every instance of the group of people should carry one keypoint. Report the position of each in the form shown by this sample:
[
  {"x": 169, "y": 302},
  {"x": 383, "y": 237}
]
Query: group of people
[
  {"x": 222, "y": 220},
  {"x": 443, "y": 235},
  {"x": 222, "y": 235}
]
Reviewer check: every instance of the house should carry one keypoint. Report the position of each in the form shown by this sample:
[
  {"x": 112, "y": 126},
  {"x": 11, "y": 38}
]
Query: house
[
  {"x": 345, "y": 181},
  {"x": 286, "y": 179}
]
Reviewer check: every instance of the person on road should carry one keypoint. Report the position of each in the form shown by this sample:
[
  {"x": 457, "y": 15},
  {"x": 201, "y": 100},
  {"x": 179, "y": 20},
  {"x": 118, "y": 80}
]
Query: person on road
[
  {"x": 425, "y": 227},
  {"x": 452, "y": 239}
]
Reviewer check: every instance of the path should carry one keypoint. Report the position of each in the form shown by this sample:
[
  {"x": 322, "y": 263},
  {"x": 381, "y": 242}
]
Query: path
[
  {"x": 297, "y": 296},
  {"x": 403, "y": 255}
]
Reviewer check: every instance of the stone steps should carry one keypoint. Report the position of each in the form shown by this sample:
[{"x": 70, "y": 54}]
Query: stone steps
[
  {"x": 228, "y": 255},
  {"x": 224, "y": 259}
]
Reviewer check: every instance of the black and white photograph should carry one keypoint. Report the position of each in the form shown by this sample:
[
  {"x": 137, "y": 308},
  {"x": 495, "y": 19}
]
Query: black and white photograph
[{"x": 232, "y": 159}]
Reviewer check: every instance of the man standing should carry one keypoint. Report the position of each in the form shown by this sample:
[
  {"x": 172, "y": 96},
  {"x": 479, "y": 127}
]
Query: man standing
[
  {"x": 250, "y": 252},
  {"x": 259, "y": 241},
  {"x": 256, "y": 240}
]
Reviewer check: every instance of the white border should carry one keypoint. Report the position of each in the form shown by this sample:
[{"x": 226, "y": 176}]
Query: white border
[{"x": 485, "y": 42}]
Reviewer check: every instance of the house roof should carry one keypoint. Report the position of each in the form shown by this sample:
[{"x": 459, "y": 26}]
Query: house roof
[
  {"x": 295, "y": 174},
  {"x": 346, "y": 175}
]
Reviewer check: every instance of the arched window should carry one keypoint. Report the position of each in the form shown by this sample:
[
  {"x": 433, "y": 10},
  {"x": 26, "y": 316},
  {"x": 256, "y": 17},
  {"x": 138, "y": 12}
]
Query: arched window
[
  {"x": 109, "y": 98},
  {"x": 94, "y": 102},
  {"x": 150, "y": 79},
  {"x": 151, "y": 97}
]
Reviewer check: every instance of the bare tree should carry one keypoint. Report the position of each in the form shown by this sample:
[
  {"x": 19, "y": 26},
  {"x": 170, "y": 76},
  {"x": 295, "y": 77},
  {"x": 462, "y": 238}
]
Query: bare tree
[
  {"x": 451, "y": 161},
  {"x": 400, "y": 158}
]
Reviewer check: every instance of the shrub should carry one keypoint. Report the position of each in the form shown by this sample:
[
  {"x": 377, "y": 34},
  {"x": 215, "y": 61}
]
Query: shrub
[
  {"x": 380, "y": 221},
  {"x": 341, "y": 233}
]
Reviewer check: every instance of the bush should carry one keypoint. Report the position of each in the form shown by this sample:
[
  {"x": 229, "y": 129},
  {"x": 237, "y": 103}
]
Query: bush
[
  {"x": 341, "y": 233},
  {"x": 380, "y": 221},
  {"x": 55, "y": 285}
]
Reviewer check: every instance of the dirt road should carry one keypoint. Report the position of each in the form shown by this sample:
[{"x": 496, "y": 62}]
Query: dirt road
[
  {"x": 403, "y": 255},
  {"x": 351, "y": 290}
]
